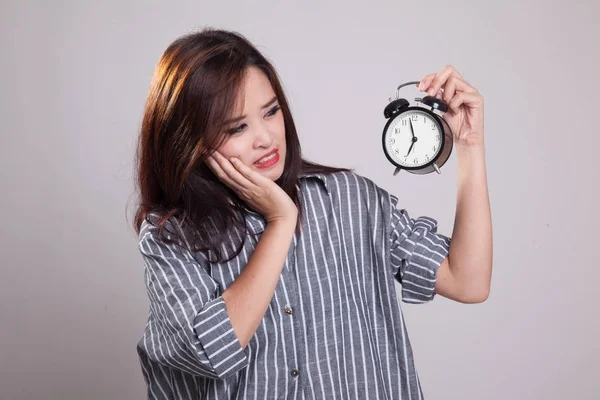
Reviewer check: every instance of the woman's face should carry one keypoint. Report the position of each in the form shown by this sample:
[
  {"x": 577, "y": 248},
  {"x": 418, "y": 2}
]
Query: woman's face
[{"x": 256, "y": 135}]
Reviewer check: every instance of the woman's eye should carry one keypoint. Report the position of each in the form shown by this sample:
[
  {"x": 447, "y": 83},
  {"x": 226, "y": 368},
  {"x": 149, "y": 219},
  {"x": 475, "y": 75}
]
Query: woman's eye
[
  {"x": 273, "y": 110},
  {"x": 237, "y": 129},
  {"x": 241, "y": 127}
]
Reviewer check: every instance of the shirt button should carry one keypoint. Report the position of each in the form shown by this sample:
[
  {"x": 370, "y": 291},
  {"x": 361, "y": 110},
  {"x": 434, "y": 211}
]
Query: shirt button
[
  {"x": 295, "y": 372},
  {"x": 288, "y": 311}
]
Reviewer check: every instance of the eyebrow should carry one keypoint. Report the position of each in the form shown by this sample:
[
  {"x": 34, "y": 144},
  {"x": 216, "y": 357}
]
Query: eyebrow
[{"x": 236, "y": 119}]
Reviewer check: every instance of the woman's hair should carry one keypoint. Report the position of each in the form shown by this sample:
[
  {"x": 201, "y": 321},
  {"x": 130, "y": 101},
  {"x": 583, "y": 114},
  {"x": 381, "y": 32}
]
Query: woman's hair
[{"x": 192, "y": 93}]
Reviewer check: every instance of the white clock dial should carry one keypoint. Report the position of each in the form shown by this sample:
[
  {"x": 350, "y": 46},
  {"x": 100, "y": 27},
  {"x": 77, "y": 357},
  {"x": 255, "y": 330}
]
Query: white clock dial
[{"x": 410, "y": 150}]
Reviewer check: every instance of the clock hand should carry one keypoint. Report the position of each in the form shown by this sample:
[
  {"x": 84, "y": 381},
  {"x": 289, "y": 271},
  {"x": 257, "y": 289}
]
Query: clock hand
[
  {"x": 411, "y": 127},
  {"x": 411, "y": 146}
]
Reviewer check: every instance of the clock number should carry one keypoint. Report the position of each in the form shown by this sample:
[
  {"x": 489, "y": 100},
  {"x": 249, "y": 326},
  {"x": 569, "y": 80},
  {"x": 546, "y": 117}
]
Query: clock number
[
  {"x": 415, "y": 117},
  {"x": 434, "y": 148},
  {"x": 396, "y": 151},
  {"x": 392, "y": 140},
  {"x": 426, "y": 157},
  {"x": 397, "y": 131},
  {"x": 404, "y": 122},
  {"x": 416, "y": 160}
]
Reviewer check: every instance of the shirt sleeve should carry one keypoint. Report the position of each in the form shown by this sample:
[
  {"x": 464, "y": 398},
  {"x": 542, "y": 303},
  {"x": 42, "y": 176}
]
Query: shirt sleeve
[
  {"x": 416, "y": 253},
  {"x": 188, "y": 327}
]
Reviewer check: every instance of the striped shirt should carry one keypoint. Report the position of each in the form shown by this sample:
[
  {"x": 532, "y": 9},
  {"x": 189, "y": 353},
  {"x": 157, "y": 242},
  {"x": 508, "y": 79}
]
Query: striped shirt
[{"x": 334, "y": 328}]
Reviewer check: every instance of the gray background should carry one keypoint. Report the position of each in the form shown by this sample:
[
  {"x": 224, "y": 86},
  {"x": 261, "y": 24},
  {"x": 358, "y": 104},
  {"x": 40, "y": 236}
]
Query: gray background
[{"x": 74, "y": 80}]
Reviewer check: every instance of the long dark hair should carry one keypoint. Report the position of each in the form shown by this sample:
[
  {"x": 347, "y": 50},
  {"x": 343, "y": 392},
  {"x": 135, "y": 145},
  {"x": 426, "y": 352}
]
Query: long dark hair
[{"x": 193, "y": 89}]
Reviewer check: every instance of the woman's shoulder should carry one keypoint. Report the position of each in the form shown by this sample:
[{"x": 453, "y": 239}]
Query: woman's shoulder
[
  {"x": 347, "y": 180},
  {"x": 160, "y": 226}
]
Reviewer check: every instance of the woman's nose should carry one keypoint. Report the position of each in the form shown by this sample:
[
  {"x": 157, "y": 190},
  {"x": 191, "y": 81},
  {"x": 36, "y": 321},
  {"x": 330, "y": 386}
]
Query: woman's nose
[{"x": 263, "y": 138}]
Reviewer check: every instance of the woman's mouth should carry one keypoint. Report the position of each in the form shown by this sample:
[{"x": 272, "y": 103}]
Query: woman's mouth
[{"x": 268, "y": 161}]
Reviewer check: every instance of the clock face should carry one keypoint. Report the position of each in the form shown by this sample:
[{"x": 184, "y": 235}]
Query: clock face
[{"x": 413, "y": 138}]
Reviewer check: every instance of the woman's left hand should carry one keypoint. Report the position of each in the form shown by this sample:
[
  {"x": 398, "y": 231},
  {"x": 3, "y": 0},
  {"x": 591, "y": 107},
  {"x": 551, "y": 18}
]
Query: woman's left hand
[{"x": 465, "y": 104}]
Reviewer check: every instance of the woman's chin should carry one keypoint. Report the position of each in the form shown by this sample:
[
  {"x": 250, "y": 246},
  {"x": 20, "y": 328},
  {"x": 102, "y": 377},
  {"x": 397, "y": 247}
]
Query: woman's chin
[{"x": 273, "y": 172}]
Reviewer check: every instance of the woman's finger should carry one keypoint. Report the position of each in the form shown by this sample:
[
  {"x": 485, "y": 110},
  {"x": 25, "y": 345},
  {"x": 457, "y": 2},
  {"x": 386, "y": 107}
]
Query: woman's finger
[
  {"x": 468, "y": 98},
  {"x": 438, "y": 81},
  {"x": 425, "y": 82},
  {"x": 232, "y": 172},
  {"x": 441, "y": 78},
  {"x": 223, "y": 176},
  {"x": 455, "y": 85},
  {"x": 247, "y": 172},
  {"x": 449, "y": 89}
]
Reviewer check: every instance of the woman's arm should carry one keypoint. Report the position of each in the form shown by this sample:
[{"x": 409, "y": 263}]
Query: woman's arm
[
  {"x": 466, "y": 273},
  {"x": 248, "y": 297}
]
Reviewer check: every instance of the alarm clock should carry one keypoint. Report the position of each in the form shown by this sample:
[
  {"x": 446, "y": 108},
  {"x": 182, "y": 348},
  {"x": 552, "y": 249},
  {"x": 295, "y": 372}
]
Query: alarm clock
[{"x": 416, "y": 138}]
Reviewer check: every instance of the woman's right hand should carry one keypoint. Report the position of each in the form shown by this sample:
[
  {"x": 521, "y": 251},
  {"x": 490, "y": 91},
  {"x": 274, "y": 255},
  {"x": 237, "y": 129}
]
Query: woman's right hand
[{"x": 259, "y": 192}]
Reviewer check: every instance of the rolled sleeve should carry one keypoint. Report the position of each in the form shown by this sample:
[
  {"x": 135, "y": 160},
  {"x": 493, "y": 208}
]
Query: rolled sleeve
[
  {"x": 216, "y": 335},
  {"x": 416, "y": 253}
]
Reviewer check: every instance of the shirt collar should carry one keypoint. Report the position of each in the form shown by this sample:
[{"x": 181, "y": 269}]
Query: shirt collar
[{"x": 319, "y": 176}]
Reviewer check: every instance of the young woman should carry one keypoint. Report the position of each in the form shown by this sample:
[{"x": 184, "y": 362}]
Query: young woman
[{"x": 270, "y": 276}]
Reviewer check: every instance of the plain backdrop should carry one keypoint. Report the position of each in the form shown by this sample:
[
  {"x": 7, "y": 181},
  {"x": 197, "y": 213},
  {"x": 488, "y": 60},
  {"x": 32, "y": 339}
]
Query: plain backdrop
[{"x": 75, "y": 75}]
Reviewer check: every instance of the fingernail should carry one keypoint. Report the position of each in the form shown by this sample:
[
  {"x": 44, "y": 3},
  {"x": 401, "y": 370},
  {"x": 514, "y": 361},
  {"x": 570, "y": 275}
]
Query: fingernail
[{"x": 431, "y": 92}]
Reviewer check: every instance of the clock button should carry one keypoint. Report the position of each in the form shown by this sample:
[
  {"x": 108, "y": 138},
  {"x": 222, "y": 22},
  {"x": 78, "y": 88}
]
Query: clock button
[{"x": 434, "y": 102}]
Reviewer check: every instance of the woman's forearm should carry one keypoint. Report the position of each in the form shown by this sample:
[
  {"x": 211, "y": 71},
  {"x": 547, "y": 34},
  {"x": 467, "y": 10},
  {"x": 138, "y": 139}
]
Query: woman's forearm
[
  {"x": 471, "y": 248},
  {"x": 249, "y": 296}
]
